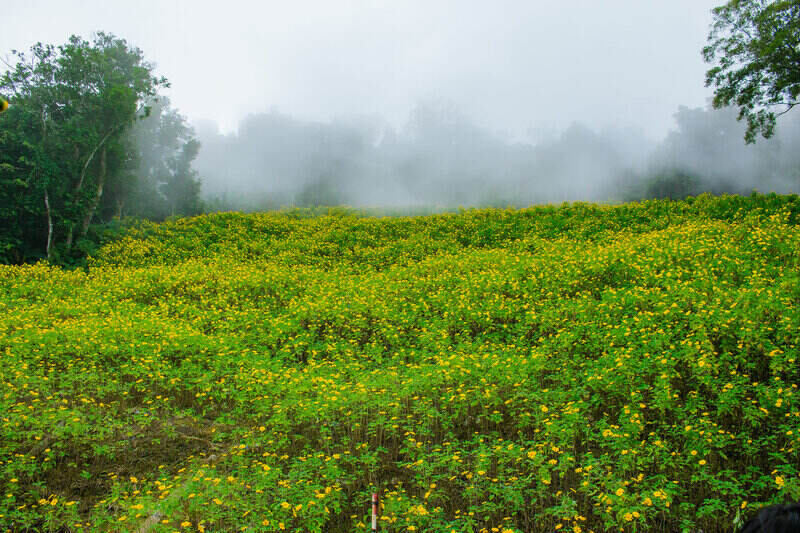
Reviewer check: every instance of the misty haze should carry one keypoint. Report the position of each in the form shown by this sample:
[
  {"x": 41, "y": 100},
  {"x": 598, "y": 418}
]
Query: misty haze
[
  {"x": 439, "y": 158},
  {"x": 437, "y": 105}
]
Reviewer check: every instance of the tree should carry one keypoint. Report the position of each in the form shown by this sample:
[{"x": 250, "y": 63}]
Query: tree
[
  {"x": 29, "y": 149},
  {"x": 64, "y": 136},
  {"x": 755, "y": 47}
]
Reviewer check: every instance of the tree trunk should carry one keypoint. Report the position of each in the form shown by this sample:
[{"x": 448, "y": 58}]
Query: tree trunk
[
  {"x": 101, "y": 178},
  {"x": 102, "y": 143},
  {"x": 49, "y": 227}
]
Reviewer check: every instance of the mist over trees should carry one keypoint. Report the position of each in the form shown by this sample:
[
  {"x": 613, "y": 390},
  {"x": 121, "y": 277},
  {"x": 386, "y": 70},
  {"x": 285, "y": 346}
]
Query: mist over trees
[
  {"x": 439, "y": 158},
  {"x": 162, "y": 180},
  {"x": 706, "y": 153}
]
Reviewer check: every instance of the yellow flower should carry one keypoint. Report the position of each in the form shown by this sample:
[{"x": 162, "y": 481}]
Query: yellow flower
[
  {"x": 628, "y": 517},
  {"x": 186, "y": 523},
  {"x": 779, "y": 481},
  {"x": 620, "y": 491}
]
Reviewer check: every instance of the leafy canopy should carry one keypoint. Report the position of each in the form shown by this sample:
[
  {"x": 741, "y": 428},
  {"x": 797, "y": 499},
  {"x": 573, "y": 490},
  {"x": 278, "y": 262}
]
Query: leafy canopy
[
  {"x": 70, "y": 151},
  {"x": 754, "y": 46}
]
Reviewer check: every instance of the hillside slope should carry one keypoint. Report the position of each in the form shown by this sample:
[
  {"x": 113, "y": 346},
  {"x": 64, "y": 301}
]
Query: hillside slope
[{"x": 579, "y": 368}]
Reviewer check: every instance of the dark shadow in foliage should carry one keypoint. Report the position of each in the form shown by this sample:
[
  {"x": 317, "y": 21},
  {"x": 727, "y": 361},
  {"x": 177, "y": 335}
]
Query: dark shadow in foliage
[
  {"x": 775, "y": 519},
  {"x": 679, "y": 184}
]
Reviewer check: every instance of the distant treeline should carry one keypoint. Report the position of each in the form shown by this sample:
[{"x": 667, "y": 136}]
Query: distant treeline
[{"x": 441, "y": 159}]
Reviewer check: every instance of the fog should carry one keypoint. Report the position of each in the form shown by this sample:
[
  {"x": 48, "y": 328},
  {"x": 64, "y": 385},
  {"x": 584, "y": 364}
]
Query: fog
[
  {"x": 440, "y": 158},
  {"x": 707, "y": 147},
  {"x": 436, "y": 102}
]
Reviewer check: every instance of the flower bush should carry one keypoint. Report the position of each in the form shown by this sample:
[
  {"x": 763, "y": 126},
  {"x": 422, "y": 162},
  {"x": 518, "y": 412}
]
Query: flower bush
[{"x": 559, "y": 368}]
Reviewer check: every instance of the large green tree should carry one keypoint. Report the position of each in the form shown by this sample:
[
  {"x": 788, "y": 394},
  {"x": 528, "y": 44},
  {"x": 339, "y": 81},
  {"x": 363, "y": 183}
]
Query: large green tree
[
  {"x": 70, "y": 107},
  {"x": 67, "y": 153},
  {"x": 754, "y": 46}
]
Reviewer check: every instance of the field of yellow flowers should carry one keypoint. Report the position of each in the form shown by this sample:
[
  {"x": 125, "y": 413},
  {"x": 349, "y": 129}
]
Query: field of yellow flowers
[{"x": 559, "y": 368}]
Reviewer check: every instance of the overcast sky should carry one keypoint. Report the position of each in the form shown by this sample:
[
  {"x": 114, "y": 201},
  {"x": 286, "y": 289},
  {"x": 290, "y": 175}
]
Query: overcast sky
[{"x": 512, "y": 66}]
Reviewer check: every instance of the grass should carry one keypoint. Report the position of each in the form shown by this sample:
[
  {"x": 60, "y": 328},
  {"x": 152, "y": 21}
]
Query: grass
[{"x": 575, "y": 368}]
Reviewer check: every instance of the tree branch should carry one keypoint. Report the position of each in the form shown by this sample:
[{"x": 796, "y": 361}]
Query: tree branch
[
  {"x": 91, "y": 156},
  {"x": 789, "y": 108}
]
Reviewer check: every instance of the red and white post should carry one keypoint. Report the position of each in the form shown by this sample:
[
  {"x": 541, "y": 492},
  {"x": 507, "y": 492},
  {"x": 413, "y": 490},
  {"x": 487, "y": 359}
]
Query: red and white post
[{"x": 374, "y": 511}]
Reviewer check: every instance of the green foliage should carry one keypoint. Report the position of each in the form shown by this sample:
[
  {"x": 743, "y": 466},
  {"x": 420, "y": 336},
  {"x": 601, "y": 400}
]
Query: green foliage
[
  {"x": 66, "y": 155},
  {"x": 671, "y": 185},
  {"x": 581, "y": 368},
  {"x": 755, "y": 47}
]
